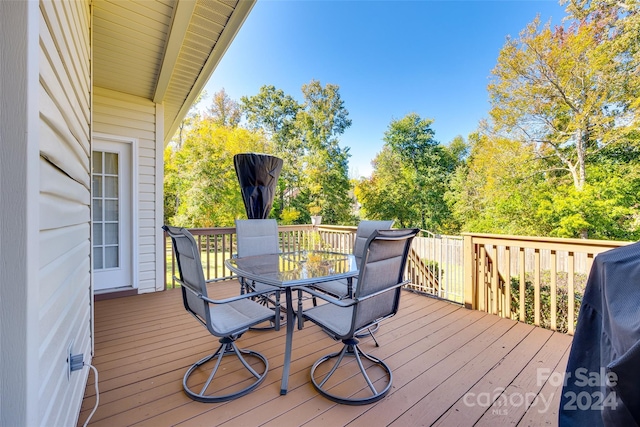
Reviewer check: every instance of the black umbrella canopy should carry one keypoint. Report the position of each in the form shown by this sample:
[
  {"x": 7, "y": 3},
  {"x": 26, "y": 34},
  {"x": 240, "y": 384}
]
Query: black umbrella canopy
[{"x": 258, "y": 176}]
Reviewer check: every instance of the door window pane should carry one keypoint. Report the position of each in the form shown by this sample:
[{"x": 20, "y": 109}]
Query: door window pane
[
  {"x": 111, "y": 257},
  {"x": 111, "y": 210},
  {"x": 105, "y": 207},
  {"x": 97, "y": 186},
  {"x": 98, "y": 262},
  {"x": 97, "y": 162},
  {"x": 111, "y": 234},
  {"x": 111, "y": 186},
  {"x": 97, "y": 209},
  {"x": 111, "y": 163},
  {"x": 97, "y": 234}
]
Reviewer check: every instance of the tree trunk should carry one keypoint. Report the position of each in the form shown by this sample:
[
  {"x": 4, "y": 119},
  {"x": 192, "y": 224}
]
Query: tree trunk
[{"x": 581, "y": 152}]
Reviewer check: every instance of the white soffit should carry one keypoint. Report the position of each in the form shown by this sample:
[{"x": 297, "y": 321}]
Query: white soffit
[{"x": 163, "y": 50}]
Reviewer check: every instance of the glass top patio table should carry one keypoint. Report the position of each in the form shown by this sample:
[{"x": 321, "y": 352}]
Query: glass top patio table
[
  {"x": 295, "y": 268},
  {"x": 291, "y": 269}
]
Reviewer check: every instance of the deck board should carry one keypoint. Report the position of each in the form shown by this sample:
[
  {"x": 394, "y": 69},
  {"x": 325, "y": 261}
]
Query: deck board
[{"x": 442, "y": 357}]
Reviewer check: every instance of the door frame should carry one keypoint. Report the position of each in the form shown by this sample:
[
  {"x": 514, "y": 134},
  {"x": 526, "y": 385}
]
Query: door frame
[{"x": 133, "y": 142}]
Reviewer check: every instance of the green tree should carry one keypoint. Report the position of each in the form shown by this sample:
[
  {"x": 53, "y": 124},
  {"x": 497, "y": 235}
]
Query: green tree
[
  {"x": 493, "y": 190},
  {"x": 384, "y": 195},
  {"x": 172, "y": 187},
  {"x": 274, "y": 113},
  {"x": 202, "y": 173},
  {"x": 411, "y": 175},
  {"x": 193, "y": 116},
  {"x": 426, "y": 164},
  {"x": 567, "y": 94},
  {"x": 607, "y": 206},
  {"x": 224, "y": 111},
  {"x": 306, "y": 137},
  {"x": 321, "y": 120}
]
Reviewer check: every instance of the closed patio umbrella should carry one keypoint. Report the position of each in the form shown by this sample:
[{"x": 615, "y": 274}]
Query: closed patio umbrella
[{"x": 258, "y": 176}]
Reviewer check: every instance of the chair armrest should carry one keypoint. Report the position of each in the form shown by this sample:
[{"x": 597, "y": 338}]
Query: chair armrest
[
  {"x": 348, "y": 302},
  {"x": 405, "y": 282},
  {"x": 228, "y": 300},
  {"x": 236, "y": 298},
  {"x": 217, "y": 279},
  {"x": 326, "y": 297},
  {"x": 221, "y": 279}
]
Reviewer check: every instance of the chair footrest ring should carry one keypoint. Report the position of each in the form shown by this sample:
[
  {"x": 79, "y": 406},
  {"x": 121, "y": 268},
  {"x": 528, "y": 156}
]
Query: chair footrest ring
[
  {"x": 226, "y": 349},
  {"x": 351, "y": 351}
]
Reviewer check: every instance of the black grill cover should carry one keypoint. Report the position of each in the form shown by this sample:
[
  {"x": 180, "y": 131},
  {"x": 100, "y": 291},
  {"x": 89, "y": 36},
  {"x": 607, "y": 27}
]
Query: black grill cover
[
  {"x": 258, "y": 176},
  {"x": 602, "y": 380}
]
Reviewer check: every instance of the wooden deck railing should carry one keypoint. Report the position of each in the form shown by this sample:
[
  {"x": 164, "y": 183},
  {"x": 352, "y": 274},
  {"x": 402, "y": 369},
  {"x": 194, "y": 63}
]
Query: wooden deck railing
[
  {"x": 422, "y": 277},
  {"x": 532, "y": 279},
  {"x": 218, "y": 244}
]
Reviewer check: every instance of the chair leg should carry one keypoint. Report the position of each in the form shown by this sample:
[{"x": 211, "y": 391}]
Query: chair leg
[
  {"x": 227, "y": 348},
  {"x": 277, "y": 307},
  {"x": 370, "y": 331},
  {"x": 351, "y": 349}
]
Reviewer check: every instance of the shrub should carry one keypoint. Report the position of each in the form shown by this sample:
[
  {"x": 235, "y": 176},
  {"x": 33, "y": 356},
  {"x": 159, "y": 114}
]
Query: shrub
[
  {"x": 433, "y": 266},
  {"x": 562, "y": 300},
  {"x": 289, "y": 216}
]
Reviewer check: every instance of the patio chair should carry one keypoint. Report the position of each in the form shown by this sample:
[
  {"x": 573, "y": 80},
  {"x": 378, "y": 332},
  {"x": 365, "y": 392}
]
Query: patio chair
[
  {"x": 376, "y": 298},
  {"x": 340, "y": 288},
  {"x": 259, "y": 237},
  {"x": 227, "y": 319}
]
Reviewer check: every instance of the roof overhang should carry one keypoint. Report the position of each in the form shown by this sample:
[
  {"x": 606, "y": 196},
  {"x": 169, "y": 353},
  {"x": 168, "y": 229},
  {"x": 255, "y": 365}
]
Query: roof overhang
[{"x": 163, "y": 50}]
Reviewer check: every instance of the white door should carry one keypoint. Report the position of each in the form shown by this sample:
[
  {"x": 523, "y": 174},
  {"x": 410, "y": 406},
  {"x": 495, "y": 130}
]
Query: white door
[{"x": 112, "y": 215}]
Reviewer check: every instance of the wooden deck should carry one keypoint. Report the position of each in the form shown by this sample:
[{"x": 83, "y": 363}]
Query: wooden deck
[{"x": 448, "y": 363}]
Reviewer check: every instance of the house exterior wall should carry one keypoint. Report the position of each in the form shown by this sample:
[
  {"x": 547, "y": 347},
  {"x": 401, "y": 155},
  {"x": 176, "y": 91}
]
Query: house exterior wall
[
  {"x": 64, "y": 294},
  {"x": 45, "y": 116},
  {"x": 122, "y": 115},
  {"x": 18, "y": 213}
]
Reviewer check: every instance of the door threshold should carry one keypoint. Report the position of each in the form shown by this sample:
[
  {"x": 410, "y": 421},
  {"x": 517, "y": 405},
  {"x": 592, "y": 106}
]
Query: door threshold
[{"x": 114, "y": 293}]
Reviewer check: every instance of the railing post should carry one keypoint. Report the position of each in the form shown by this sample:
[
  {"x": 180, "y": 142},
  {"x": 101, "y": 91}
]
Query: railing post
[{"x": 469, "y": 259}]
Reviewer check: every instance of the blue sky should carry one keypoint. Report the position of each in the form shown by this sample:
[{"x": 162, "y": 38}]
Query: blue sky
[{"x": 389, "y": 58}]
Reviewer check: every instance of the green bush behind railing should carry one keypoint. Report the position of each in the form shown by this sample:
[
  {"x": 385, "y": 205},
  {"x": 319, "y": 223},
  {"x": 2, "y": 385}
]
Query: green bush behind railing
[{"x": 562, "y": 299}]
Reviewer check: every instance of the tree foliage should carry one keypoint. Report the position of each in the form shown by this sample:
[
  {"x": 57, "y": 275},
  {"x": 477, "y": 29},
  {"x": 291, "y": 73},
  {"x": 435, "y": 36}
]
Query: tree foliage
[
  {"x": 384, "y": 195},
  {"x": 492, "y": 191},
  {"x": 306, "y": 136},
  {"x": 274, "y": 113},
  {"x": 559, "y": 154},
  {"x": 564, "y": 107},
  {"x": 224, "y": 111},
  {"x": 192, "y": 117},
  {"x": 321, "y": 121},
  {"x": 411, "y": 176},
  {"x": 563, "y": 92},
  {"x": 201, "y": 188}
]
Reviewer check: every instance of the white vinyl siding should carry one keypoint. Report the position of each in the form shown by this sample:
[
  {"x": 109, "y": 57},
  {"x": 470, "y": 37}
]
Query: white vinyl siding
[
  {"x": 64, "y": 297},
  {"x": 19, "y": 83},
  {"x": 128, "y": 116}
]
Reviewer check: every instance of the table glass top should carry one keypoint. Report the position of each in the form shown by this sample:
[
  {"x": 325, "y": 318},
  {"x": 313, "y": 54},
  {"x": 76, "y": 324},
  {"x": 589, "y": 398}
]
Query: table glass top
[{"x": 295, "y": 268}]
